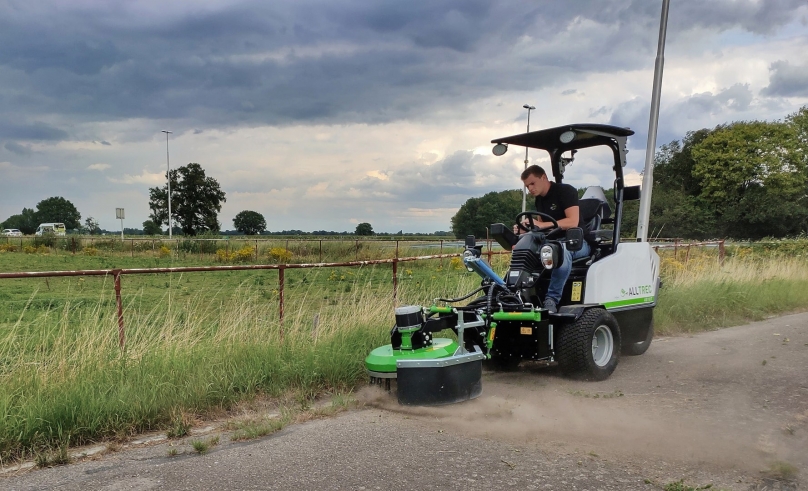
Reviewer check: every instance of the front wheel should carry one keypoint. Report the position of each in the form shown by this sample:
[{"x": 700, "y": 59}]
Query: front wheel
[{"x": 590, "y": 347}]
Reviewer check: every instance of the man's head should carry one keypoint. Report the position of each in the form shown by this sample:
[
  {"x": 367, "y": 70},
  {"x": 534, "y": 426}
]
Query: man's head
[{"x": 536, "y": 180}]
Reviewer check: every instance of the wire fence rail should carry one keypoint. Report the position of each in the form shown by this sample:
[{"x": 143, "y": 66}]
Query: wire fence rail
[
  {"x": 221, "y": 247},
  {"x": 118, "y": 273}
]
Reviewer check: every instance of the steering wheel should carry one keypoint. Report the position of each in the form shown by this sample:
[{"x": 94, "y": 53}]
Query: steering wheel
[{"x": 533, "y": 227}]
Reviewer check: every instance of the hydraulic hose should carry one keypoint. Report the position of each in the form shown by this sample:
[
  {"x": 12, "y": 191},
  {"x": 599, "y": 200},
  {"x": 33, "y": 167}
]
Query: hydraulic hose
[{"x": 453, "y": 300}]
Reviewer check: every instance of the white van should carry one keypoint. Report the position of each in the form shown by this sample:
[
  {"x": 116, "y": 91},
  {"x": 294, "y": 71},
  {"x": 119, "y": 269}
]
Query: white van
[{"x": 51, "y": 228}]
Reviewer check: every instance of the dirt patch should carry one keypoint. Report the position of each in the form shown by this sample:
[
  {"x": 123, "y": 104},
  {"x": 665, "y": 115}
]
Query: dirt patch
[{"x": 707, "y": 400}]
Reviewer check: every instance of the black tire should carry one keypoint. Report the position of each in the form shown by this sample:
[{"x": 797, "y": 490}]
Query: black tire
[
  {"x": 636, "y": 349},
  {"x": 578, "y": 355}
]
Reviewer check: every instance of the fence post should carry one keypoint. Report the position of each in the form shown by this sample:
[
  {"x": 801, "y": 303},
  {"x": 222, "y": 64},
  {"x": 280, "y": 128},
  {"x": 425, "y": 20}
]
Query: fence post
[
  {"x": 133, "y": 247},
  {"x": 721, "y": 252},
  {"x": 121, "y": 335},
  {"x": 356, "y": 250},
  {"x": 687, "y": 255},
  {"x": 73, "y": 243},
  {"x": 395, "y": 280},
  {"x": 256, "y": 250},
  {"x": 280, "y": 295},
  {"x": 321, "y": 250},
  {"x": 488, "y": 240},
  {"x": 441, "y": 253}
]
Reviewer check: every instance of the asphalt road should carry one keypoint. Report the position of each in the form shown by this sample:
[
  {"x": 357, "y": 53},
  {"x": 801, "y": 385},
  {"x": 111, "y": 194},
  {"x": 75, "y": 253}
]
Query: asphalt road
[{"x": 727, "y": 408}]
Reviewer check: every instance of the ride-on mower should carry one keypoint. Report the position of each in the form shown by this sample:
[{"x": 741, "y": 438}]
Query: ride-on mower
[{"x": 606, "y": 308}]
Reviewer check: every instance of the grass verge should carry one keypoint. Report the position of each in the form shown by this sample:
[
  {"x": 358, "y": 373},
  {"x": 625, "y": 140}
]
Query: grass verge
[
  {"x": 65, "y": 382},
  {"x": 709, "y": 296}
]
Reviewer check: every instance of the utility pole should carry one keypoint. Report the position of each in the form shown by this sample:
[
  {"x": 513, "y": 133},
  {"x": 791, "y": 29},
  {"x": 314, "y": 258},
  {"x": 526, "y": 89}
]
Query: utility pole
[
  {"x": 524, "y": 190},
  {"x": 168, "y": 173},
  {"x": 653, "y": 122}
]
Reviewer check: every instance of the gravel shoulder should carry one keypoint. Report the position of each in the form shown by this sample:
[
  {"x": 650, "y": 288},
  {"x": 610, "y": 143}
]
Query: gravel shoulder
[{"x": 727, "y": 408}]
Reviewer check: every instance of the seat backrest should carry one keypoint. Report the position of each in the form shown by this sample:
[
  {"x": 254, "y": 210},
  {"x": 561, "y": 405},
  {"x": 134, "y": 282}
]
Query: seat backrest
[
  {"x": 591, "y": 211},
  {"x": 596, "y": 193},
  {"x": 593, "y": 208}
]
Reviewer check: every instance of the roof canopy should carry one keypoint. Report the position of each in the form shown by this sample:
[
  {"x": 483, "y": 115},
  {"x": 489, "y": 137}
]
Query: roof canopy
[{"x": 581, "y": 136}]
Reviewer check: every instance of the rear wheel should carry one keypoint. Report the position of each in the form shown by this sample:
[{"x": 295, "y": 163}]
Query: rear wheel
[
  {"x": 589, "y": 347},
  {"x": 635, "y": 349}
]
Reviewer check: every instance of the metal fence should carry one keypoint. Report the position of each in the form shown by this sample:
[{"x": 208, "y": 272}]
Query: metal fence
[
  {"x": 118, "y": 273},
  {"x": 314, "y": 249},
  {"x": 677, "y": 245}
]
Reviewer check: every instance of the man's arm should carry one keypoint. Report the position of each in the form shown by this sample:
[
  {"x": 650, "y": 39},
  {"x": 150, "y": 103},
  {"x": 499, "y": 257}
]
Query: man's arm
[{"x": 570, "y": 220}]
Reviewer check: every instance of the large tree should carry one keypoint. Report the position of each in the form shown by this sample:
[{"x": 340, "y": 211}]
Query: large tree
[
  {"x": 58, "y": 210},
  {"x": 364, "y": 228},
  {"x": 477, "y": 214},
  {"x": 26, "y": 221},
  {"x": 250, "y": 222},
  {"x": 195, "y": 200},
  {"x": 753, "y": 175},
  {"x": 151, "y": 228},
  {"x": 91, "y": 225},
  {"x": 747, "y": 179}
]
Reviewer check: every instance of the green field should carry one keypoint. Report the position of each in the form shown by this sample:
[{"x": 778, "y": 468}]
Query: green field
[{"x": 202, "y": 342}]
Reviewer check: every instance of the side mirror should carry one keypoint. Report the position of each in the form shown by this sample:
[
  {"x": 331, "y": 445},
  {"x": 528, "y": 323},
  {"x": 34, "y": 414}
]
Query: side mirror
[
  {"x": 631, "y": 193},
  {"x": 575, "y": 239}
]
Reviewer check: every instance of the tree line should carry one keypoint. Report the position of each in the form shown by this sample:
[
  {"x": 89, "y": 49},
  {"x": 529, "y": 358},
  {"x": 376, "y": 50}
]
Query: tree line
[
  {"x": 196, "y": 200},
  {"x": 742, "y": 180}
]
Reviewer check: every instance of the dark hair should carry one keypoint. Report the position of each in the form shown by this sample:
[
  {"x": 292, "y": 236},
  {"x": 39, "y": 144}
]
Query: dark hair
[{"x": 534, "y": 170}]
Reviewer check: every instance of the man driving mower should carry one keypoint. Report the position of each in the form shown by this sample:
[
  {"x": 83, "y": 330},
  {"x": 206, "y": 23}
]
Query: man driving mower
[{"x": 559, "y": 201}]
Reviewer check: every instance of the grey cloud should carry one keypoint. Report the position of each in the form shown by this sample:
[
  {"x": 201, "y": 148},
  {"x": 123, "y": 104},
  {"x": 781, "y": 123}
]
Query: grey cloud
[
  {"x": 787, "y": 80},
  {"x": 448, "y": 182},
  {"x": 15, "y": 147},
  {"x": 569, "y": 92},
  {"x": 106, "y": 143},
  {"x": 754, "y": 16},
  {"x": 36, "y": 131},
  {"x": 332, "y": 62},
  {"x": 733, "y": 99},
  {"x": 682, "y": 115}
]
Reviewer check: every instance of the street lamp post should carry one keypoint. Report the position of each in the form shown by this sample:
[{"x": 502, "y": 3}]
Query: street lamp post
[
  {"x": 168, "y": 174},
  {"x": 524, "y": 190}
]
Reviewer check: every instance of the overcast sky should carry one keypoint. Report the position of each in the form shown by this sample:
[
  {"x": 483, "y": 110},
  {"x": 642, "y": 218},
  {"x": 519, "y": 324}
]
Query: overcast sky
[{"x": 321, "y": 114}]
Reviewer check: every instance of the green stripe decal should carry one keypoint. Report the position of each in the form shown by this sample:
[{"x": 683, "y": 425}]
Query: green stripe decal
[
  {"x": 534, "y": 316},
  {"x": 631, "y": 301}
]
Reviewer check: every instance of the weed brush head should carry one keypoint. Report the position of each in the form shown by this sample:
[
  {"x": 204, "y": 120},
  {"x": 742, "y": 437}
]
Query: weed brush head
[{"x": 428, "y": 371}]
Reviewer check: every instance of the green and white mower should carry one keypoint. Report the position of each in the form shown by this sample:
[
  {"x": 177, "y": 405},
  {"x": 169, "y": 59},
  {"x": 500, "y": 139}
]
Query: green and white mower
[{"x": 606, "y": 308}]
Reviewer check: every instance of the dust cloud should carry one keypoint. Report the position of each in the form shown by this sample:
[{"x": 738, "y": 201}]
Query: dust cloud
[{"x": 555, "y": 414}]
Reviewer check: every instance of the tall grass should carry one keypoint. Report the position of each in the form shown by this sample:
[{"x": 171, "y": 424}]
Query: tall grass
[
  {"x": 703, "y": 294},
  {"x": 64, "y": 380},
  {"x": 202, "y": 345}
]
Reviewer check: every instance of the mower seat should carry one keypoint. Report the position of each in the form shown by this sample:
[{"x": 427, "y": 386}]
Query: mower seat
[{"x": 593, "y": 208}]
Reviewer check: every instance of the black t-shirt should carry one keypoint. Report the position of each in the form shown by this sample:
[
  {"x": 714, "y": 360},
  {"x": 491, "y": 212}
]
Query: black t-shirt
[{"x": 559, "y": 197}]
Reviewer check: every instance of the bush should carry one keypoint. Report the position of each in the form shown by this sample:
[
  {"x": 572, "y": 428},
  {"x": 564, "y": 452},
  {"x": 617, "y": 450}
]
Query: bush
[
  {"x": 164, "y": 251},
  {"x": 47, "y": 239},
  {"x": 244, "y": 254},
  {"x": 8, "y": 248},
  {"x": 90, "y": 251},
  {"x": 280, "y": 255},
  {"x": 41, "y": 249}
]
